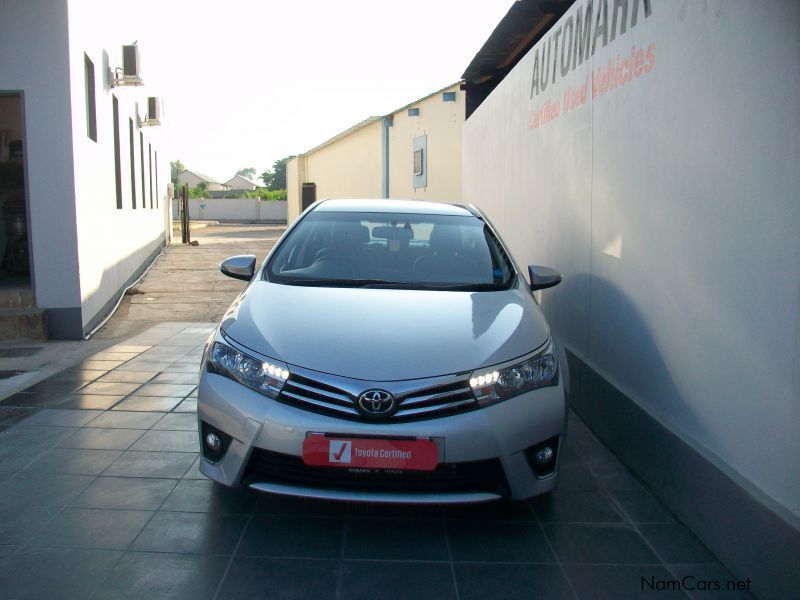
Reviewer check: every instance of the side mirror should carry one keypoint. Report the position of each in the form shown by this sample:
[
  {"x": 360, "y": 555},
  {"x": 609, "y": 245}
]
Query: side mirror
[
  {"x": 239, "y": 267},
  {"x": 543, "y": 277}
]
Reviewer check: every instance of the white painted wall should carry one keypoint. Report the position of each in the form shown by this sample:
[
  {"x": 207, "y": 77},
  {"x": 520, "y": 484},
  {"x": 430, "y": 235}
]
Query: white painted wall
[
  {"x": 233, "y": 209},
  {"x": 33, "y": 59},
  {"x": 112, "y": 243},
  {"x": 671, "y": 206}
]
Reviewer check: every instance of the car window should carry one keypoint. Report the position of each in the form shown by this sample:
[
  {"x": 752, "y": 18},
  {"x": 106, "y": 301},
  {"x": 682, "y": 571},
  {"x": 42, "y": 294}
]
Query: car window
[{"x": 449, "y": 252}]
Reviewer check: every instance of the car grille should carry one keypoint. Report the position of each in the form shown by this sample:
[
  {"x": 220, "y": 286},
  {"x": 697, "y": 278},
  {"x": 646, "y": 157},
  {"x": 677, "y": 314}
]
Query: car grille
[
  {"x": 427, "y": 399},
  {"x": 477, "y": 476}
]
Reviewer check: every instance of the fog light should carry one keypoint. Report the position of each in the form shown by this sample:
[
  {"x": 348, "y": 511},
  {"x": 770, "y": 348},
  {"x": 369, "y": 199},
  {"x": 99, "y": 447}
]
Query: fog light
[
  {"x": 214, "y": 442},
  {"x": 543, "y": 456}
]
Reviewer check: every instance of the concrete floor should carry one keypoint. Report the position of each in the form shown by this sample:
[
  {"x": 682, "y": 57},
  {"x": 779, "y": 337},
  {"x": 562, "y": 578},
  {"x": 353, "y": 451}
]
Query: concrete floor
[{"x": 101, "y": 496}]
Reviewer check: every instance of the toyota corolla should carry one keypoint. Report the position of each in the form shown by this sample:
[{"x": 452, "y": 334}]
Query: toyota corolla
[{"x": 385, "y": 351}]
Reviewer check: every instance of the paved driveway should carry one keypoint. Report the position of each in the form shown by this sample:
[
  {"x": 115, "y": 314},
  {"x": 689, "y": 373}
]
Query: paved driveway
[{"x": 100, "y": 496}]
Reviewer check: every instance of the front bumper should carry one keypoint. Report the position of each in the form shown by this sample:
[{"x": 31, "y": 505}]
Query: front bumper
[{"x": 263, "y": 429}]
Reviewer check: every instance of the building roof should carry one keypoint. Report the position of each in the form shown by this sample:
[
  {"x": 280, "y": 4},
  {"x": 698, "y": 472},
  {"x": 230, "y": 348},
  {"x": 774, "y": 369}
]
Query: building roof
[
  {"x": 524, "y": 24},
  {"x": 371, "y": 120},
  {"x": 200, "y": 176},
  {"x": 243, "y": 178}
]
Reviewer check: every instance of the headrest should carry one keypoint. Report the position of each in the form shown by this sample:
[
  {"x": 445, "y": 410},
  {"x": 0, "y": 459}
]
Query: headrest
[{"x": 445, "y": 239}]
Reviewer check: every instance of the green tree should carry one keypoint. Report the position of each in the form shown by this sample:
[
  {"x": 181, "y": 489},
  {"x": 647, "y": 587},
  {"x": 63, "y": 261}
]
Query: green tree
[
  {"x": 247, "y": 173},
  {"x": 176, "y": 166},
  {"x": 275, "y": 178}
]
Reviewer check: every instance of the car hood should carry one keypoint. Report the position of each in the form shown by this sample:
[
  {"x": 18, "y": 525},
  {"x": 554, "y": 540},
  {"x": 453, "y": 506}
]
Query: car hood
[{"x": 385, "y": 334}]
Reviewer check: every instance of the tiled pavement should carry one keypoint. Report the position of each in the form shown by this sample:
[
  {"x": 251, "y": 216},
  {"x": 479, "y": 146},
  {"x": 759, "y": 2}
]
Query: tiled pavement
[{"x": 100, "y": 496}]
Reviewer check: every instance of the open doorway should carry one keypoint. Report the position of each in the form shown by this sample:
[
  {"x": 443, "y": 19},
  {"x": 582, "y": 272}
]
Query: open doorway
[{"x": 15, "y": 267}]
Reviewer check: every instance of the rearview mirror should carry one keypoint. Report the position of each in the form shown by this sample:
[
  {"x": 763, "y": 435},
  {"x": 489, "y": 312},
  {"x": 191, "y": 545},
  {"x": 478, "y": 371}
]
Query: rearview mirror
[
  {"x": 239, "y": 267},
  {"x": 543, "y": 277}
]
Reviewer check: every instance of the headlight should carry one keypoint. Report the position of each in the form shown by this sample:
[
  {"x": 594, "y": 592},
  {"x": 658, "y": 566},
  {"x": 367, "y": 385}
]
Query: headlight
[
  {"x": 264, "y": 377},
  {"x": 493, "y": 385}
]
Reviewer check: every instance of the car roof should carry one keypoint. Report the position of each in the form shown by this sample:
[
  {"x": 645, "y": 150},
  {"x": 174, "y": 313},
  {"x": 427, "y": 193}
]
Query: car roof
[{"x": 381, "y": 205}]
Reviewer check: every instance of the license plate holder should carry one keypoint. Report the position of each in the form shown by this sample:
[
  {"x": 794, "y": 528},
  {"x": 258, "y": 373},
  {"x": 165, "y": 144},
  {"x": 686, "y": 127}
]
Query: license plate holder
[{"x": 357, "y": 452}]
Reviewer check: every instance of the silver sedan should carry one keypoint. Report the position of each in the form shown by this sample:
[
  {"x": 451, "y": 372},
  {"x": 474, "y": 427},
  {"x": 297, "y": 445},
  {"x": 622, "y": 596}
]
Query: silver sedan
[{"x": 385, "y": 351}]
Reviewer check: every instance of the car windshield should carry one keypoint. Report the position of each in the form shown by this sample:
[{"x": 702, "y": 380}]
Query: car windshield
[{"x": 393, "y": 250}]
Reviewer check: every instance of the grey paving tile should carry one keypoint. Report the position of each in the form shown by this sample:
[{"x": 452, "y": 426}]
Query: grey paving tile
[
  {"x": 208, "y": 496},
  {"x": 74, "y": 461},
  {"x": 126, "y": 420},
  {"x": 488, "y": 541},
  {"x": 114, "y": 355},
  {"x": 642, "y": 507},
  {"x": 21, "y": 440},
  {"x": 151, "y": 464},
  {"x": 675, "y": 544},
  {"x": 184, "y": 421},
  {"x": 191, "y": 533},
  {"x": 490, "y": 511},
  {"x": 148, "y": 403},
  {"x": 19, "y": 523},
  {"x": 608, "y": 544},
  {"x": 615, "y": 478},
  {"x": 89, "y": 402},
  {"x": 300, "y": 537},
  {"x": 101, "y": 439},
  {"x": 11, "y": 415},
  {"x": 406, "y": 580},
  {"x": 511, "y": 582},
  {"x": 184, "y": 367},
  {"x": 160, "y": 575},
  {"x": 257, "y": 577},
  {"x": 141, "y": 365},
  {"x": 35, "y": 400},
  {"x": 189, "y": 405},
  {"x": 573, "y": 506},
  {"x": 69, "y": 573},
  {"x": 576, "y": 476},
  {"x": 92, "y": 528},
  {"x": 118, "y": 376},
  {"x": 98, "y": 365},
  {"x": 125, "y": 347},
  {"x": 170, "y": 441},
  {"x": 408, "y": 539},
  {"x": 181, "y": 378},
  {"x": 194, "y": 470},
  {"x": 164, "y": 389},
  {"x": 139, "y": 493},
  {"x": 54, "y": 417},
  {"x": 109, "y": 388},
  {"x": 614, "y": 582},
  {"x": 42, "y": 489}
]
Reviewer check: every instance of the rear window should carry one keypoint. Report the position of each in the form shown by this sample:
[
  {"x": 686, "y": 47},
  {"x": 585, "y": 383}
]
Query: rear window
[{"x": 398, "y": 250}]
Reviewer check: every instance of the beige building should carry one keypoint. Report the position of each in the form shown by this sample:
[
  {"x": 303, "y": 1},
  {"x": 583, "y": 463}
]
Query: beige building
[
  {"x": 193, "y": 179},
  {"x": 413, "y": 152}
]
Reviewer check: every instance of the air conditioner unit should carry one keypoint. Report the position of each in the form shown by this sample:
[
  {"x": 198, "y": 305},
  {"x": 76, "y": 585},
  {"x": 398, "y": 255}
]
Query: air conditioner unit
[
  {"x": 130, "y": 73},
  {"x": 153, "y": 111}
]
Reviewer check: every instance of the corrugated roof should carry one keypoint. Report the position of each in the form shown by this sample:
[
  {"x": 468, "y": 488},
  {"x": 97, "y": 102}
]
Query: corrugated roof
[{"x": 524, "y": 24}]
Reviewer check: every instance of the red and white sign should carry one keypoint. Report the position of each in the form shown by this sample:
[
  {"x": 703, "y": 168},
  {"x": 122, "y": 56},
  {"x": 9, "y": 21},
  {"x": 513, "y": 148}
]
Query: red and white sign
[{"x": 369, "y": 453}]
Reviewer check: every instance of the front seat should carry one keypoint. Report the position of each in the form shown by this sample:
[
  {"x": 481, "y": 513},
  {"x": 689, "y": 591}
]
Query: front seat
[{"x": 445, "y": 260}]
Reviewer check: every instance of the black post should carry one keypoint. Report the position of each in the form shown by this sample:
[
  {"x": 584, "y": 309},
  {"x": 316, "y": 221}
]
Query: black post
[{"x": 185, "y": 214}]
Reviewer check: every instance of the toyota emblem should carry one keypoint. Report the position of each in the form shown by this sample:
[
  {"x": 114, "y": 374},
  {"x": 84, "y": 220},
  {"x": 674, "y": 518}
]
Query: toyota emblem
[{"x": 376, "y": 403}]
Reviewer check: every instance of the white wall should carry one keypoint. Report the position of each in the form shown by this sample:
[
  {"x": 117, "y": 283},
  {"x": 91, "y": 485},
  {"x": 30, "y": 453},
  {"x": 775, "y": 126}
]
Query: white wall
[
  {"x": 33, "y": 59},
  {"x": 112, "y": 243},
  {"x": 233, "y": 209},
  {"x": 671, "y": 205}
]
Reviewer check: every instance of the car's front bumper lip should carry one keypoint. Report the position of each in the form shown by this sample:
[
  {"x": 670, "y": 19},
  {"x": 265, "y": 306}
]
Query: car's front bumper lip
[{"x": 502, "y": 431}]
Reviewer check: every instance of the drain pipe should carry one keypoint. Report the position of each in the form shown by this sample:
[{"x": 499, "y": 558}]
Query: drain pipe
[
  {"x": 122, "y": 295},
  {"x": 388, "y": 121}
]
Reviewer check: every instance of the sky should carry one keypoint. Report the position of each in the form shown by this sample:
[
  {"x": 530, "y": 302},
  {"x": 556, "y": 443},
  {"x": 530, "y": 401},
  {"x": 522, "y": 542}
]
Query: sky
[{"x": 245, "y": 83}]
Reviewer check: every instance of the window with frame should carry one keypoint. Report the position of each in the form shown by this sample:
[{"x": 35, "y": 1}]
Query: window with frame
[{"x": 91, "y": 107}]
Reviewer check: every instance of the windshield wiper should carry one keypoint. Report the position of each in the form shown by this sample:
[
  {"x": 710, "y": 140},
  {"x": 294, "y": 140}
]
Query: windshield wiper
[{"x": 391, "y": 284}]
